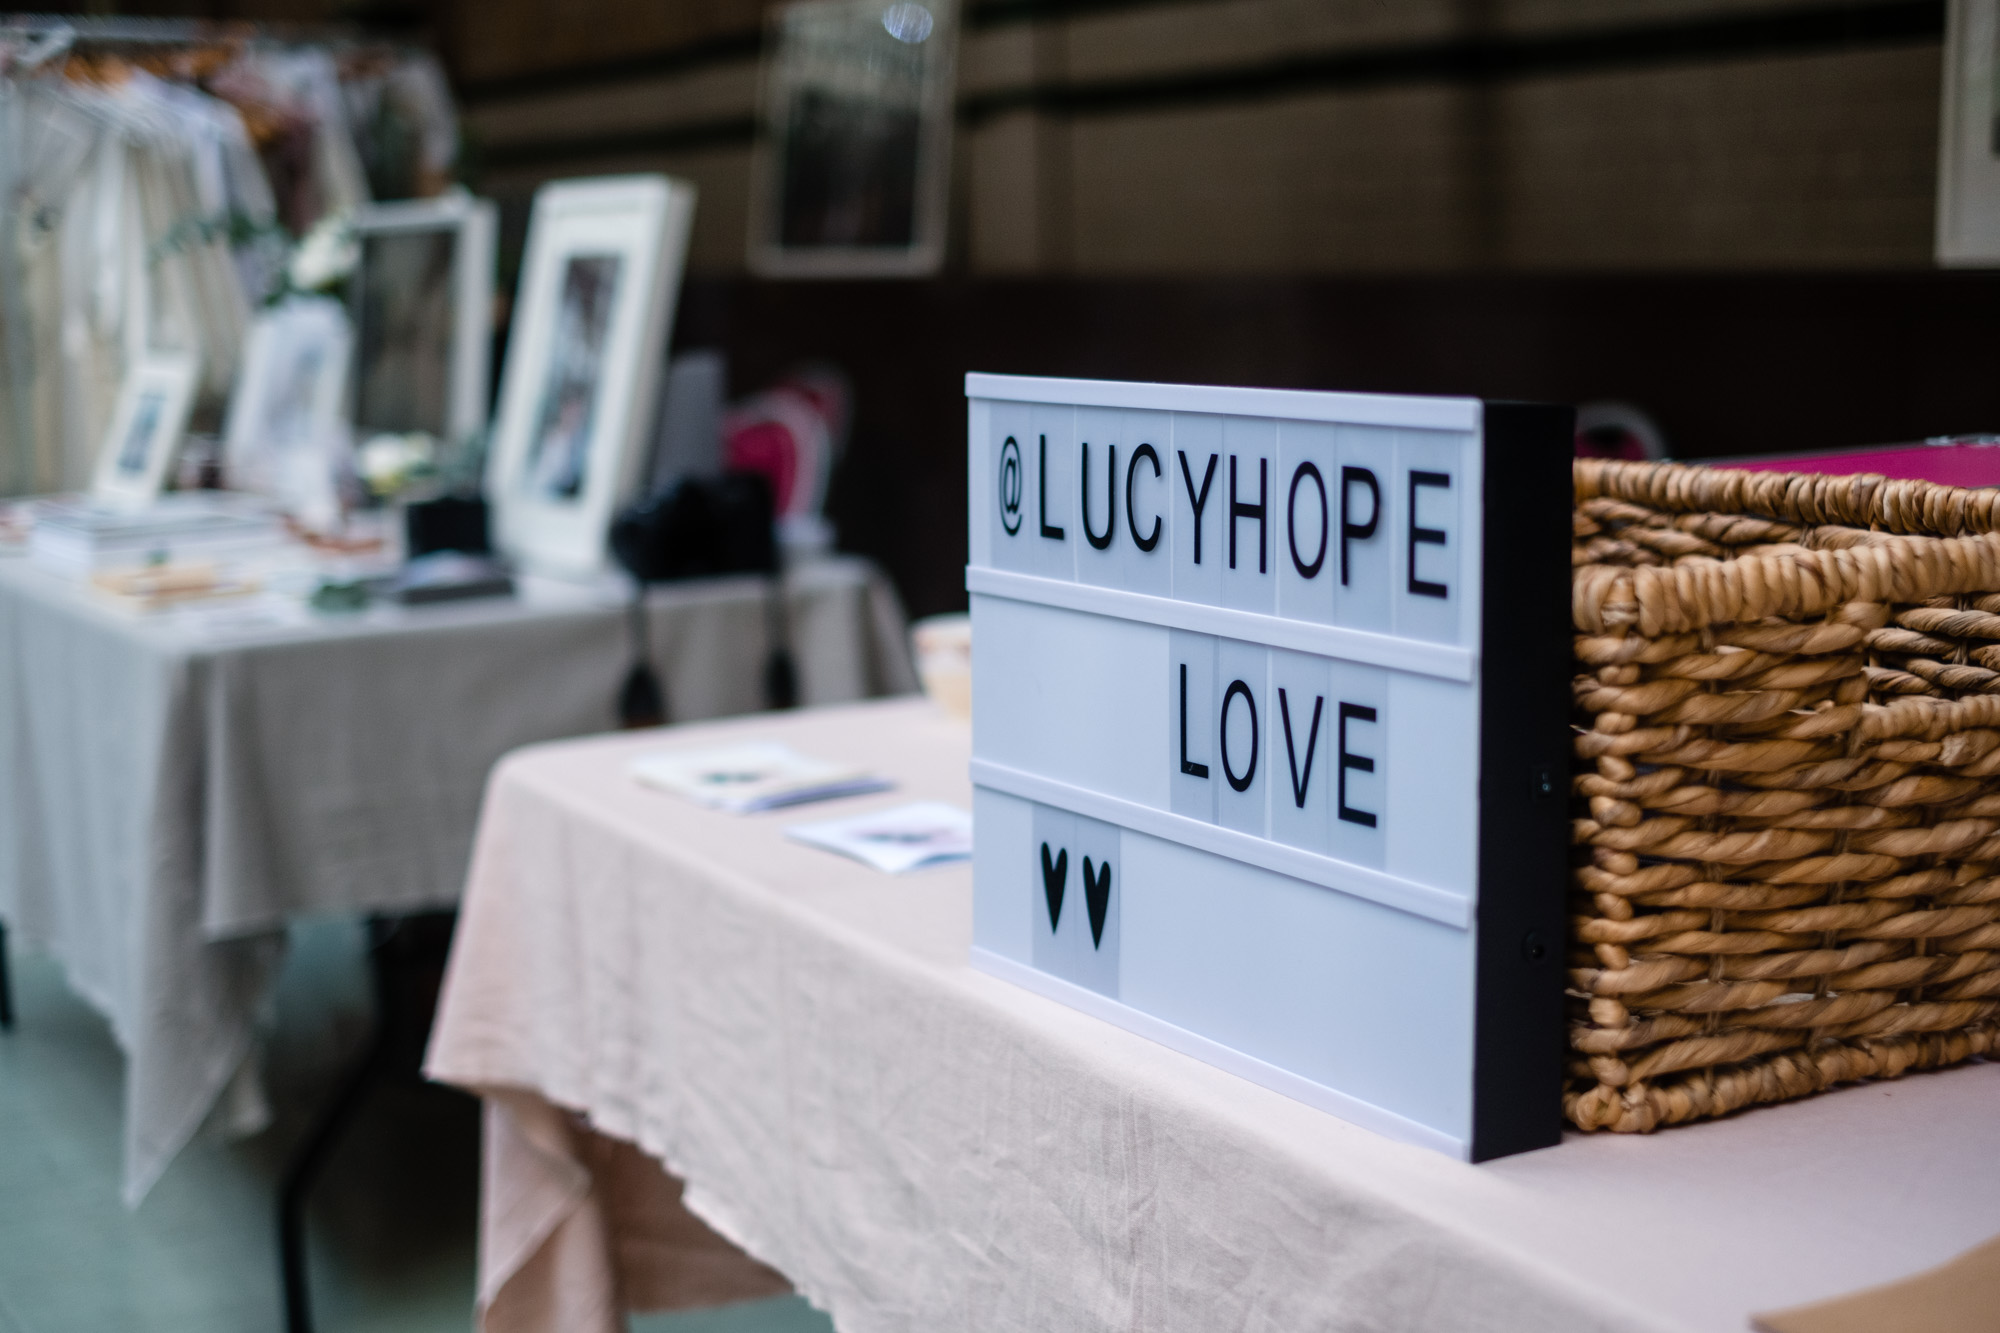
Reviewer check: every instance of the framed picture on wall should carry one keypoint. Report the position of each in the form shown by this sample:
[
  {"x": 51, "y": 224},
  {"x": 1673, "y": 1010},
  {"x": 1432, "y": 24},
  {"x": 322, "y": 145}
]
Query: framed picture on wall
[
  {"x": 422, "y": 299},
  {"x": 596, "y": 298},
  {"x": 1968, "y": 212},
  {"x": 853, "y": 156},
  {"x": 286, "y": 435},
  {"x": 146, "y": 425}
]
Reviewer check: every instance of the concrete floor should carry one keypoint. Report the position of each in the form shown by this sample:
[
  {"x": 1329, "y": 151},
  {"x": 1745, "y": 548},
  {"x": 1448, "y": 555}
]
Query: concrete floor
[{"x": 392, "y": 1225}]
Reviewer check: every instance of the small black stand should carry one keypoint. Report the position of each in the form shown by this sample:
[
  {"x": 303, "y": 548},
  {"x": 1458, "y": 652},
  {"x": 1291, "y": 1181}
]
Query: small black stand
[
  {"x": 781, "y": 673},
  {"x": 6, "y": 985},
  {"x": 642, "y": 699},
  {"x": 406, "y": 958}
]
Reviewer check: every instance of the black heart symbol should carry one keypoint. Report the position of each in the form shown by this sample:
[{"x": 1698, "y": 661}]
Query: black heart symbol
[
  {"x": 1055, "y": 874},
  {"x": 1097, "y": 898}
]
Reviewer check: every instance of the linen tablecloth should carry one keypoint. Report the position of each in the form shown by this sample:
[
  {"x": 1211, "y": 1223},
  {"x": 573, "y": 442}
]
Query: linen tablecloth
[
  {"x": 174, "y": 788},
  {"x": 921, "y": 1147}
]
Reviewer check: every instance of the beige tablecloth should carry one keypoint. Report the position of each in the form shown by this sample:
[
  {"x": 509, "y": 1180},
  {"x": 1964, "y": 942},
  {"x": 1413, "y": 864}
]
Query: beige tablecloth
[
  {"x": 174, "y": 788},
  {"x": 919, "y": 1147},
  {"x": 586, "y": 1227}
]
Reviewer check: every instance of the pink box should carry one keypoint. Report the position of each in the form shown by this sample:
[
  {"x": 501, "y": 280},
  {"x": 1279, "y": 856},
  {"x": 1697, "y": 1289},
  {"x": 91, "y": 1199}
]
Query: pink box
[{"x": 1973, "y": 461}]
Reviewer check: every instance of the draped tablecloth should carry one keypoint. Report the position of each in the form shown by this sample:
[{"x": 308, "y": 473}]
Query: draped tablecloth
[
  {"x": 174, "y": 788},
  {"x": 919, "y": 1147}
]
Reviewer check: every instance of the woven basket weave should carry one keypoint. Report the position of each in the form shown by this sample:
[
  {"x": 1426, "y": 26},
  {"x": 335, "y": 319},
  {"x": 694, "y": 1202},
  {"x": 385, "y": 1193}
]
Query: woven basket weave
[{"x": 1787, "y": 786}]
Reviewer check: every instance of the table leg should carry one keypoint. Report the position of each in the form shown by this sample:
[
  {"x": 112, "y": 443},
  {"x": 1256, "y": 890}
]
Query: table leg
[
  {"x": 642, "y": 700},
  {"x": 781, "y": 673},
  {"x": 304, "y": 1169},
  {"x": 406, "y": 964},
  {"x": 6, "y": 985}
]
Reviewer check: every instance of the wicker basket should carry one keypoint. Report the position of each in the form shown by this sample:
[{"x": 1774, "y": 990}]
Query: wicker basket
[{"x": 1788, "y": 816}]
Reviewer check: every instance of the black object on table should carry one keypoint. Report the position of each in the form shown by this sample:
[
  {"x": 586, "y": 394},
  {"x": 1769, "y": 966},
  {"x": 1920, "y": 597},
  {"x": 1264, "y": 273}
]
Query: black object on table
[
  {"x": 449, "y": 576},
  {"x": 698, "y": 526},
  {"x": 701, "y": 526},
  {"x": 448, "y": 548},
  {"x": 452, "y": 523},
  {"x": 406, "y": 961}
]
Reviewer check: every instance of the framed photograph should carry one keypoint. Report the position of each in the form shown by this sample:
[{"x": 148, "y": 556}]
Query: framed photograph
[
  {"x": 1968, "y": 212},
  {"x": 286, "y": 435},
  {"x": 853, "y": 155},
  {"x": 422, "y": 301},
  {"x": 597, "y": 295},
  {"x": 146, "y": 425}
]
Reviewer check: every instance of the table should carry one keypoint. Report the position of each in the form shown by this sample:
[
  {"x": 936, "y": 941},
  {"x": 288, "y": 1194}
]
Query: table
[
  {"x": 173, "y": 789},
  {"x": 918, "y": 1146}
]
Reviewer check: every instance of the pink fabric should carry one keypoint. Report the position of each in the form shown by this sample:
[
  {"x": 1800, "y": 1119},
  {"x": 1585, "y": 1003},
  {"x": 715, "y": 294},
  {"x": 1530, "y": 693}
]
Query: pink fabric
[
  {"x": 767, "y": 447},
  {"x": 577, "y": 1228},
  {"x": 1968, "y": 465}
]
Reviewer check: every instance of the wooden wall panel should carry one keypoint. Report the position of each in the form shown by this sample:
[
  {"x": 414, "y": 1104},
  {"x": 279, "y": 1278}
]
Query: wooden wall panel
[
  {"x": 497, "y": 39},
  {"x": 1207, "y": 34},
  {"x": 1329, "y": 183},
  {"x": 1256, "y": 136},
  {"x": 721, "y": 216},
  {"x": 1808, "y": 162}
]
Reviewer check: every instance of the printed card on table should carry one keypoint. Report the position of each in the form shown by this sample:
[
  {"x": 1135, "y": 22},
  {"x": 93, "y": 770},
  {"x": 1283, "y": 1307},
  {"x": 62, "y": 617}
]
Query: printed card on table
[
  {"x": 927, "y": 833},
  {"x": 744, "y": 779}
]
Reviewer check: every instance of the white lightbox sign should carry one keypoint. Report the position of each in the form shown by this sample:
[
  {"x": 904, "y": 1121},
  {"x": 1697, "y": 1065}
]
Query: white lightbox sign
[{"x": 1270, "y": 735}]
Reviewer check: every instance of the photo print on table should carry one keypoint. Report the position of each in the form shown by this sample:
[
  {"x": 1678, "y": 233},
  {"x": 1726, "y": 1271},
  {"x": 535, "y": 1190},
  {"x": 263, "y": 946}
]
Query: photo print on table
[
  {"x": 422, "y": 297},
  {"x": 407, "y": 318},
  {"x": 296, "y": 377},
  {"x": 576, "y": 408},
  {"x": 559, "y": 455},
  {"x": 145, "y": 430},
  {"x": 287, "y": 435},
  {"x": 139, "y": 436}
]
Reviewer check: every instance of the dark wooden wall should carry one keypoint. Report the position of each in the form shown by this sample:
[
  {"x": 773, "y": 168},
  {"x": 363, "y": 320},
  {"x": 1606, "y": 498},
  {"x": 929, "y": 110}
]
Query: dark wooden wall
[{"x": 1728, "y": 364}]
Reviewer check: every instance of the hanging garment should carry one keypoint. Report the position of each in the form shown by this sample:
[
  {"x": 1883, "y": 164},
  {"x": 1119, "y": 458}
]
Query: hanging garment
[
  {"x": 399, "y": 107},
  {"x": 292, "y": 100},
  {"x": 154, "y": 205}
]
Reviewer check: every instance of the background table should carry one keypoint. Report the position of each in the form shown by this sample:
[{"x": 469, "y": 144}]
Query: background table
[
  {"x": 918, "y": 1146},
  {"x": 174, "y": 788}
]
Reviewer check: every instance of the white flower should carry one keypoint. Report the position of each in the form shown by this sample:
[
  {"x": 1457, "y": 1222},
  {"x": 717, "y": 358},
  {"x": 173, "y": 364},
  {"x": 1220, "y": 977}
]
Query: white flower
[
  {"x": 326, "y": 255},
  {"x": 388, "y": 462}
]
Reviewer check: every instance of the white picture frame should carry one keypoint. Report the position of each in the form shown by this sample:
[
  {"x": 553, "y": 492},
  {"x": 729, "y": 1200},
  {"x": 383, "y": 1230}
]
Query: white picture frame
[
  {"x": 1968, "y": 210},
  {"x": 421, "y": 300},
  {"x": 145, "y": 430},
  {"x": 286, "y": 434},
  {"x": 851, "y": 169},
  {"x": 596, "y": 298}
]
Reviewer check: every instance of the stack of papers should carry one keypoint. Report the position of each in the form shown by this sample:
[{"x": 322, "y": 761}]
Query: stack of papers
[
  {"x": 161, "y": 587},
  {"x": 927, "y": 833},
  {"x": 743, "y": 779},
  {"x": 16, "y": 521},
  {"x": 79, "y": 539}
]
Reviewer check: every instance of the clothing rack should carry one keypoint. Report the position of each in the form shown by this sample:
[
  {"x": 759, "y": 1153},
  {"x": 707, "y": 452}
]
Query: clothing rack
[
  {"x": 73, "y": 29},
  {"x": 47, "y": 43},
  {"x": 50, "y": 37},
  {"x": 45, "y": 58}
]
